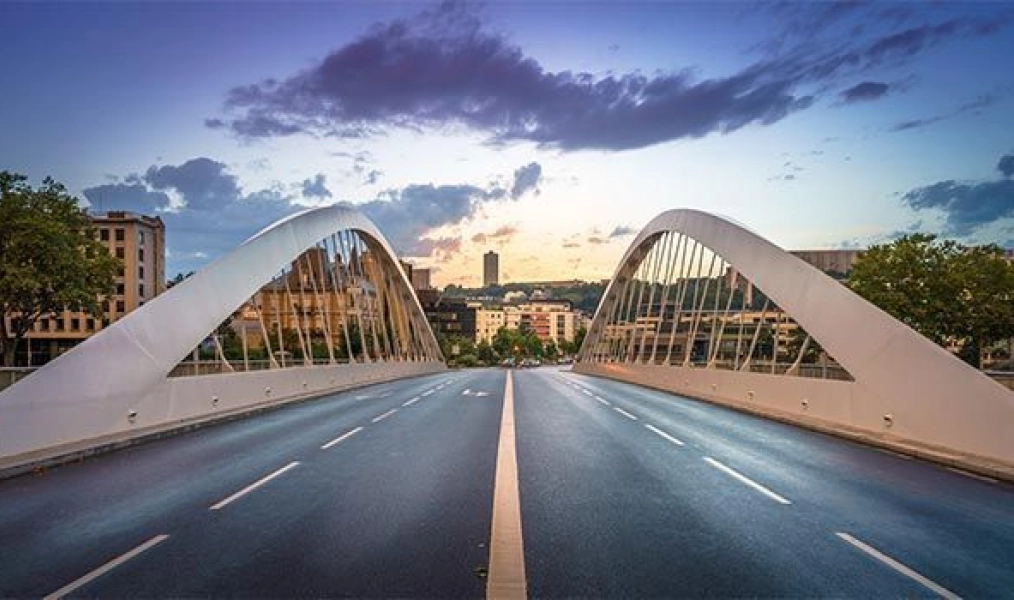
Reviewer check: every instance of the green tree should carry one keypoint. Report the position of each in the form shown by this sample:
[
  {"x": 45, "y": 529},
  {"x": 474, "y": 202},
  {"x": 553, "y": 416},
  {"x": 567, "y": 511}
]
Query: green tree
[
  {"x": 949, "y": 293},
  {"x": 50, "y": 260}
]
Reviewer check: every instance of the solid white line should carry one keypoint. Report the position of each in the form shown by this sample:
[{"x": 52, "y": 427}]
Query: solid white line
[
  {"x": 411, "y": 402},
  {"x": 972, "y": 475},
  {"x": 253, "y": 486},
  {"x": 379, "y": 418},
  {"x": 341, "y": 438},
  {"x": 744, "y": 479},
  {"x": 624, "y": 413},
  {"x": 506, "y": 546},
  {"x": 664, "y": 434},
  {"x": 109, "y": 566},
  {"x": 602, "y": 400},
  {"x": 897, "y": 566},
  {"x": 427, "y": 393},
  {"x": 586, "y": 392}
]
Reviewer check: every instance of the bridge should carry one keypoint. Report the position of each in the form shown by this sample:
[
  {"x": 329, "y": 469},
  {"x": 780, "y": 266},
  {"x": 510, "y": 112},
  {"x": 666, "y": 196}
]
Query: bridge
[{"x": 685, "y": 454}]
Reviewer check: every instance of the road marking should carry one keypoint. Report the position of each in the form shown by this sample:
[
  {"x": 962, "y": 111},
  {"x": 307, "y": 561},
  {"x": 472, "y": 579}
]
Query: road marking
[
  {"x": 379, "y": 418},
  {"x": 972, "y": 475},
  {"x": 411, "y": 402},
  {"x": 341, "y": 438},
  {"x": 506, "y": 547},
  {"x": 427, "y": 393},
  {"x": 385, "y": 395},
  {"x": 664, "y": 434},
  {"x": 253, "y": 486},
  {"x": 897, "y": 566},
  {"x": 744, "y": 479},
  {"x": 586, "y": 393},
  {"x": 109, "y": 566},
  {"x": 602, "y": 400},
  {"x": 624, "y": 413},
  {"x": 363, "y": 397}
]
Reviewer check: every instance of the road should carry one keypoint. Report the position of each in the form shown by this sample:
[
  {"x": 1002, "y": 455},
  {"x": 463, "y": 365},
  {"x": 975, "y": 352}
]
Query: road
[{"x": 389, "y": 491}]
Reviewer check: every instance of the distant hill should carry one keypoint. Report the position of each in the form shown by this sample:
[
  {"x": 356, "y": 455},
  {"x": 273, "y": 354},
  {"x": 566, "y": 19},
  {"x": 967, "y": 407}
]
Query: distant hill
[{"x": 582, "y": 296}]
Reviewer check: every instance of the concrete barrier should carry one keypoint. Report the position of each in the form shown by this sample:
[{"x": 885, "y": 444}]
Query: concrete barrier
[
  {"x": 976, "y": 440},
  {"x": 45, "y": 433}
]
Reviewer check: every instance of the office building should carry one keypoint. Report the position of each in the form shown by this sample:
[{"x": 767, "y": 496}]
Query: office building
[{"x": 490, "y": 269}]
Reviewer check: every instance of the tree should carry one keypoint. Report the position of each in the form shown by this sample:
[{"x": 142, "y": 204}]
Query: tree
[
  {"x": 50, "y": 260},
  {"x": 949, "y": 293}
]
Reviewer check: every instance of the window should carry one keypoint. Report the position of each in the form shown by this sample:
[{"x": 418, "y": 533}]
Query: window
[
  {"x": 140, "y": 290},
  {"x": 44, "y": 324},
  {"x": 119, "y": 289},
  {"x": 59, "y": 324},
  {"x": 121, "y": 307},
  {"x": 90, "y": 324},
  {"x": 140, "y": 272},
  {"x": 120, "y": 253},
  {"x": 121, "y": 235},
  {"x": 140, "y": 255},
  {"x": 121, "y": 272},
  {"x": 104, "y": 235},
  {"x": 140, "y": 237},
  {"x": 75, "y": 324}
]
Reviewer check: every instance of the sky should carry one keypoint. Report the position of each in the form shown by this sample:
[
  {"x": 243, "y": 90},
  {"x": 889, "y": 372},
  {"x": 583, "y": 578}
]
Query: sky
[{"x": 549, "y": 132}]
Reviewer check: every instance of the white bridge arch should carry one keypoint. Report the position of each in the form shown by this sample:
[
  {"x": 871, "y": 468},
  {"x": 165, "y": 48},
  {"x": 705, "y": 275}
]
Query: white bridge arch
[
  {"x": 901, "y": 390},
  {"x": 116, "y": 385}
]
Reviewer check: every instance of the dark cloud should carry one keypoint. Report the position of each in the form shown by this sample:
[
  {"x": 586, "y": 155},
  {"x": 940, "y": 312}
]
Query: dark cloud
[
  {"x": 596, "y": 239},
  {"x": 571, "y": 245},
  {"x": 501, "y": 235},
  {"x": 203, "y": 183},
  {"x": 526, "y": 178},
  {"x": 214, "y": 123},
  {"x": 441, "y": 68},
  {"x": 966, "y": 206},
  {"x": 622, "y": 231},
  {"x": 316, "y": 187},
  {"x": 216, "y": 215},
  {"x": 867, "y": 90},
  {"x": 372, "y": 177},
  {"x": 1006, "y": 165},
  {"x": 972, "y": 107}
]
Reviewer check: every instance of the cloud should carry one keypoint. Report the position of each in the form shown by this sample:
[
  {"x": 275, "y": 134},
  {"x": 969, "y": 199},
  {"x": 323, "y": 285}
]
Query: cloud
[
  {"x": 316, "y": 188},
  {"x": 501, "y": 235},
  {"x": 526, "y": 178},
  {"x": 442, "y": 69},
  {"x": 372, "y": 177},
  {"x": 865, "y": 91},
  {"x": 622, "y": 231},
  {"x": 203, "y": 183},
  {"x": 596, "y": 239},
  {"x": 571, "y": 245},
  {"x": 967, "y": 206},
  {"x": 1006, "y": 165},
  {"x": 973, "y": 107},
  {"x": 135, "y": 197},
  {"x": 215, "y": 216}
]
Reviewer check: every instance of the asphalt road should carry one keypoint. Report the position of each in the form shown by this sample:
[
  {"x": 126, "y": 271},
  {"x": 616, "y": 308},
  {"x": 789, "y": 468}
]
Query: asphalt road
[{"x": 388, "y": 491}]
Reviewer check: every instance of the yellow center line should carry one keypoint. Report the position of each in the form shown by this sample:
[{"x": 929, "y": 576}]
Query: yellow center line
[{"x": 506, "y": 548}]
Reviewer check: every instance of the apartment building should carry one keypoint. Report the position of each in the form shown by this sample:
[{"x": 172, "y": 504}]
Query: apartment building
[{"x": 139, "y": 242}]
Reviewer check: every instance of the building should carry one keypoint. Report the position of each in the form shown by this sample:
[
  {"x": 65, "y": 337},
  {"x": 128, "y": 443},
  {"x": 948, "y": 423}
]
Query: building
[
  {"x": 490, "y": 269},
  {"x": 839, "y": 262},
  {"x": 452, "y": 317},
  {"x": 550, "y": 320},
  {"x": 139, "y": 242},
  {"x": 421, "y": 279}
]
